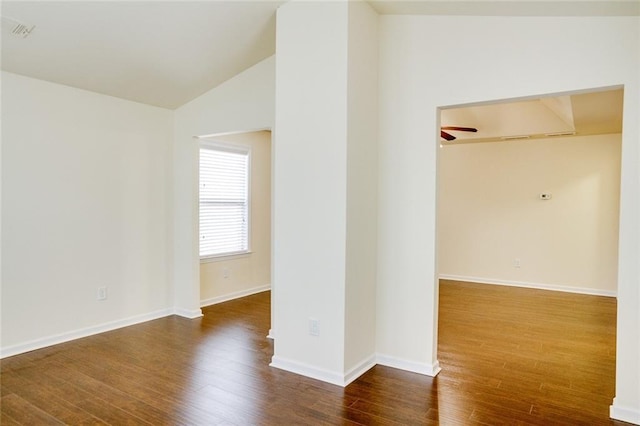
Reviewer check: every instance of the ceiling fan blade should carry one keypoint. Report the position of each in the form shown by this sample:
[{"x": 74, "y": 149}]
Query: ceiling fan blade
[
  {"x": 447, "y": 136},
  {"x": 460, "y": 129}
]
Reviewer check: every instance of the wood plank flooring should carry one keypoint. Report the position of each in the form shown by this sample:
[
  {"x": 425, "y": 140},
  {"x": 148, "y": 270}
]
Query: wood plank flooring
[
  {"x": 509, "y": 356},
  {"x": 506, "y": 351}
]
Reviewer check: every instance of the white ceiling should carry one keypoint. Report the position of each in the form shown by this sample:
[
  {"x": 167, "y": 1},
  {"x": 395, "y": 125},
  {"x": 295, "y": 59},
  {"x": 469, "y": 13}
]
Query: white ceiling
[
  {"x": 155, "y": 52},
  {"x": 166, "y": 53}
]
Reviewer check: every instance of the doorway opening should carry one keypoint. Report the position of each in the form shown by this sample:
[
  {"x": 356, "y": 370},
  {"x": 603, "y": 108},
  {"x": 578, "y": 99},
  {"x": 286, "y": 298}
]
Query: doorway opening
[
  {"x": 238, "y": 223},
  {"x": 530, "y": 203}
]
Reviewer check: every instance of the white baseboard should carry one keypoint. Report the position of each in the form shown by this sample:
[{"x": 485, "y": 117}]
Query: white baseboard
[
  {"x": 80, "y": 333},
  {"x": 113, "y": 325},
  {"x": 324, "y": 375},
  {"x": 234, "y": 295},
  {"x": 552, "y": 287},
  {"x": 328, "y": 376},
  {"x": 188, "y": 313},
  {"x": 626, "y": 414},
  {"x": 403, "y": 364},
  {"x": 338, "y": 379},
  {"x": 357, "y": 371}
]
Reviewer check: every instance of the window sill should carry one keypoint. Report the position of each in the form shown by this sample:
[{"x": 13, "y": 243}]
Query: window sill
[{"x": 225, "y": 257}]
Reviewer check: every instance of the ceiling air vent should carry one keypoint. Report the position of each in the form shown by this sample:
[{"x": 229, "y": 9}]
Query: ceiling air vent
[
  {"x": 17, "y": 28},
  {"x": 513, "y": 138},
  {"x": 560, "y": 134}
]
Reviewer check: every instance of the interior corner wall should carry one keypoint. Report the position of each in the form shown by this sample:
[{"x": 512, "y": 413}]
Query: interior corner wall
[
  {"x": 362, "y": 186},
  {"x": 234, "y": 276},
  {"x": 490, "y": 212},
  {"x": 244, "y": 103},
  {"x": 85, "y": 204},
  {"x": 504, "y": 58}
]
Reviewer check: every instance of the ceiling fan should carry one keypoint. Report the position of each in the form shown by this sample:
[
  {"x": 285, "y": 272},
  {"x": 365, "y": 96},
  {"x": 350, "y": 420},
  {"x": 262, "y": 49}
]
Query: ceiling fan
[{"x": 449, "y": 136}]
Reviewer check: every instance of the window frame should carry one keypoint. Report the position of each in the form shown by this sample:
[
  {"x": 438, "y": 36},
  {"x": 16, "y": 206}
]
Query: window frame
[{"x": 233, "y": 148}]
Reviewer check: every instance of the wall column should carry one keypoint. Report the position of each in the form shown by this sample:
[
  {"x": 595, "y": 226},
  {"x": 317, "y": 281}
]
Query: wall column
[{"x": 325, "y": 189}]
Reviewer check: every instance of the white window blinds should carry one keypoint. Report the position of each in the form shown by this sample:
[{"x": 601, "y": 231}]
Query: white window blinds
[{"x": 224, "y": 180}]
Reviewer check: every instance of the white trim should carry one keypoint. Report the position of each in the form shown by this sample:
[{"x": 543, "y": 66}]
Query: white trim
[
  {"x": 357, "y": 371},
  {"x": 237, "y": 147},
  {"x": 413, "y": 366},
  {"x": 307, "y": 370},
  {"x": 552, "y": 287},
  {"x": 626, "y": 414},
  {"x": 271, "y": 335},
  {"x": 188, "y": 313},
  {"x": 237, "y": 132},
  {"x": 80, "y": 333},
  {"x": 235, "y": 295},
  {"x": 226, "y": 256},
  {"x": 335, "y": 378},
  {"x": 125, "y": 322}
]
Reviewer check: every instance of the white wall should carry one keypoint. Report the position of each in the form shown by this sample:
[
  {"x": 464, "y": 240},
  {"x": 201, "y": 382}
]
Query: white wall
[
  {"x": 233, "y": 276},
  {"x": 489, "y": 58},
  {"x": 86, "y": 203},
  {"x": 243, "y": 103},
  {"x": 362, "y": 185},
  {"x": 326, "y": 188},
  {"x": 1, "y": 221},
  {"x": 490, "y": 213},
  {"x": 310, "y": 186}
]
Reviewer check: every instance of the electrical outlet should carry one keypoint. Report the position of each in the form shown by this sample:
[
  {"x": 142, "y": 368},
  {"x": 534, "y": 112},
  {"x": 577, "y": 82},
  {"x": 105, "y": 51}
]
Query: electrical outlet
[
  {"x": 225, "y": 273},
  {"x": 102, "y": 293},
  {"x": 516, "y": 262},
  {"x": 314, "y": 327}
]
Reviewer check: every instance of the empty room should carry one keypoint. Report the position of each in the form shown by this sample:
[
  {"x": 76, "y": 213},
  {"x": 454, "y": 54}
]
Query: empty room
[
  {"x": 528, "y": 201},
  {"x": 319, "y": 297}
]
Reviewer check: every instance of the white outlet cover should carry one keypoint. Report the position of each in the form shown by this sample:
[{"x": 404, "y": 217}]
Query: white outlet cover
[
  {"x": 314, "y": 327},
  {"x": 102, "y": 293}
]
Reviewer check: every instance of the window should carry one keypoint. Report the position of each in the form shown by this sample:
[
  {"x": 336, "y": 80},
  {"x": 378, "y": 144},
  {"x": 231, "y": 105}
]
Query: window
[{"x": 224, "y": 200}]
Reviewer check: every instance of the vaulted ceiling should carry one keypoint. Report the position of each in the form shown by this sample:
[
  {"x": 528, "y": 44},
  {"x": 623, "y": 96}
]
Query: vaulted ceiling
[
  {"x": 166, "y": 53},
  {"x": 162, "y": 53}
]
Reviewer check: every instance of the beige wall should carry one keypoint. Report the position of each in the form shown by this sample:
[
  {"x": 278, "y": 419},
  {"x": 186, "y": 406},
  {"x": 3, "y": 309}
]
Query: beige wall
[
  {"x": 490, "y": 213},
  {"x": 236, "y": 276}
]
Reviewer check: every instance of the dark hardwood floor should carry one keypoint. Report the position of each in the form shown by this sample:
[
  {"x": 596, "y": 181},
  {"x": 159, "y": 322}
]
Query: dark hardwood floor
[{"x": 509, "y": 356}]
